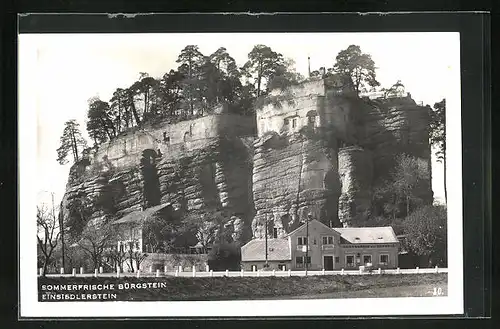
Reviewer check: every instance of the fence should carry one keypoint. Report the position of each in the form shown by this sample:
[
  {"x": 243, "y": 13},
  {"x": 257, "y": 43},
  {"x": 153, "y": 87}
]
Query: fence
[{"x": 209, "y": 273}]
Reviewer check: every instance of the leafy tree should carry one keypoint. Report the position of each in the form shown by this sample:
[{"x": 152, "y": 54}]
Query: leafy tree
[
  {"x": 262, "y": 66},
  {"x": 210, "y": 227},
  {"x": 286, "y": 76},
  {"x": 191, "y": 60},
  {"x": 145, "y": 89},
  {"x": 396, "y": 196},
  {"x": 170, "y": 89},
  {"x": 224, "y": 256},
  {"x": 71, "y": 140},
  {"x": 119, "y": 106},
  {"x": 426, "y": 233},
  {"x": 437, "y": 134},
  {"x": 100, "y": 124},
  {"x": 228, "y": 86},
  {"x": 409, "y": 172},
  {"x": 160, "y": 232},
  {"x": 47, "y": 234},
  {"x": 357, "y": 67}
]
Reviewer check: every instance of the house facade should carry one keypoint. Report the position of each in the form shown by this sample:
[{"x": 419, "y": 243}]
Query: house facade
[{"x": 322, "y": 247}]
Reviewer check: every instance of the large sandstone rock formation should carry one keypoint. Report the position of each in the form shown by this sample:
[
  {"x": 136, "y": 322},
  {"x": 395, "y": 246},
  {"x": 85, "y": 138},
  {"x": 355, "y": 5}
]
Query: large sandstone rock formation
[
  {"x": 193, "y": 169},
  {"x": 314, "y": 148}
]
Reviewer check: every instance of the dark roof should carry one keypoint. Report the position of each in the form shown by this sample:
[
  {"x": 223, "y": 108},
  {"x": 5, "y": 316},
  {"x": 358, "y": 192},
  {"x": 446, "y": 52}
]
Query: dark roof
[
  {"x": 255, "y": 250},
  {"x": 140, "y": 216},
  {"x": 368, "y": 234}
]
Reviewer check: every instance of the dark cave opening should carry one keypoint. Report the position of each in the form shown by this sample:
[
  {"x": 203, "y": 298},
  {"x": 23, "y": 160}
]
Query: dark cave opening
[{"x": 151, "y": 183}]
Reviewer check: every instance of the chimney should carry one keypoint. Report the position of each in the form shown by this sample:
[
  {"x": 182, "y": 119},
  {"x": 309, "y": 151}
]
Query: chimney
[{"x": 309, "y": 66}]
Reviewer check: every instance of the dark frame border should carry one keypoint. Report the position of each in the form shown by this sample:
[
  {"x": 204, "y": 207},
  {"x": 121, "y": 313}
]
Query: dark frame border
[{"x": 474, "y": 29}]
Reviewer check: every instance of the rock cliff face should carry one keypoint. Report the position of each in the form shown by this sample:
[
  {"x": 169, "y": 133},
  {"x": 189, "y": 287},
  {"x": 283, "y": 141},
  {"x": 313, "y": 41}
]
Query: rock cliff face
[
  {"x": 312, "y": 149},
  {"x": 212, "y": 169}
]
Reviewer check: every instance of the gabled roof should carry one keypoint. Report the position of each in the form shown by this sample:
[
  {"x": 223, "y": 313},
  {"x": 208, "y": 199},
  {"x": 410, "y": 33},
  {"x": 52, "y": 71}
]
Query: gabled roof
[
  {"x": 310, "y": 222},
  {"x": 277, "y": 250},
  {"x": 140, "y": 216},
  {"x": 368, "y": 234}
]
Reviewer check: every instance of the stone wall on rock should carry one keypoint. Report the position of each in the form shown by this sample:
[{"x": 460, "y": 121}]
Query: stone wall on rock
[
  {"x": 298, "y": 168},
  {"x": 211, "y": 168}
]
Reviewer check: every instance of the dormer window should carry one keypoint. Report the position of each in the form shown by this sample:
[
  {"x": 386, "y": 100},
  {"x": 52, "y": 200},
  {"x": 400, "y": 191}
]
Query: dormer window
[{"x": 294, "y": 122}]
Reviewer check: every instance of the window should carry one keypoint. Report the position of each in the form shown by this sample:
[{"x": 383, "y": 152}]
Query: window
[
  {"x": 275, "y": 232},
  {"x": 137, "y": 245},
  {"x": 349, "y": 260},
  {"x": 282, "y": 267},
  {"x": 312, "y": 119},
  {"x": 367, "y": 259},
  {"x": 286, "y": 122},
  {"x": 337, "y": 260},
  {"x": 300, "y": 261},
  {"x": 384, "y": 259},
  {"x": 294, "y": 123},
  {"x": 302, "y": 241},
  {"x": 328, "y": 240}
]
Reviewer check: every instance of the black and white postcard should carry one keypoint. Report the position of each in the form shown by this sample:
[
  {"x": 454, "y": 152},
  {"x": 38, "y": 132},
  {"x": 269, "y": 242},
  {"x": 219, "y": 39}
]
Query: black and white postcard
[{"x": 240, "y": 174}]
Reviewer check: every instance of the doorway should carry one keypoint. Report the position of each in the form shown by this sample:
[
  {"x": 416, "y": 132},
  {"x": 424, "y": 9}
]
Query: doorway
[{"x": 328, "y": 263}]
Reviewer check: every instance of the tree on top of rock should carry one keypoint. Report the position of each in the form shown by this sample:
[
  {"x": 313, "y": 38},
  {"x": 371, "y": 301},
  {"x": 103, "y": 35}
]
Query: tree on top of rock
[
  {"x": 191, "y": 60},
  {"x": 358, "y": 67},
  {"x": 437, "y": 134},
  {"x": 263, "y": 64},
  {"x": 100, "y": 125},
  {"x": 71, "y": 141}
]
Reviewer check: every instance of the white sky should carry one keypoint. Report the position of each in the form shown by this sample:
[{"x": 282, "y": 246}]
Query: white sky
[{"x": 58, "y": 73}]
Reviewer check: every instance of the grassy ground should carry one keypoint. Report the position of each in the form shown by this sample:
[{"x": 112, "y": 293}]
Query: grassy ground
[{"x": 225, "y": 288}]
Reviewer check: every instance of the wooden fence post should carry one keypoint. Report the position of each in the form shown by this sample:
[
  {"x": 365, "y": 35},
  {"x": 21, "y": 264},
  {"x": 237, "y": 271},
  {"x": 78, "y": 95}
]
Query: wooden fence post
[
  {"x": 165, "y": 269},
  {"x": 211, "y": 273},
  {"x": 138, "y": 274},
  {"x": 95, "y": 273},
  {"x": 207, "y": 268},
  {"x": 437, "y": 269},
  {"x": 81, "y": 270},
  {"x": 176, "y": 272},
  {"x": 227, "y": 272},
  {"x": 242, "y": 273},
  {"x": 151, "y": 269},
  {"x": 73, "y": 272},
  {"x": 118, "y": 272},
  {"x": 40, "y": 271},
  {"x": 258, "y": 273},
  {"x": 289, "y": 272},
  {"x": 180, "y": 268},
  {"x": 418, "y": 270},
  {"x": 274, "y": 272},
  {"x": 398, "y": 270},
  {"x": 379, "y": 270},
  {"x": 194, "y": 271},
  {"x": 157, "y": 273},
  {"x": 101, "y": 270},
  {"x": 323, "y": 272},
  {"x": 62, "y": 270}
]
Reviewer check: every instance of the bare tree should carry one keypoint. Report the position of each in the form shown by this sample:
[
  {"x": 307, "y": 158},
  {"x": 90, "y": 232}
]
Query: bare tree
[
  {"x": 94, "y": 240},
  {"x": 47, "y": 235}
]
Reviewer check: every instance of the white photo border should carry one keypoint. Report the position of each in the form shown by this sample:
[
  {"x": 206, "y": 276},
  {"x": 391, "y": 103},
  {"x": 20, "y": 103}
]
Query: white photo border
[{"x": 30, "y": 307}]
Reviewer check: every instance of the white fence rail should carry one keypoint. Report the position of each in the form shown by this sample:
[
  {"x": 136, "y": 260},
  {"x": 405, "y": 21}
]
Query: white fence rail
[{"x": 201, "y": 274}]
